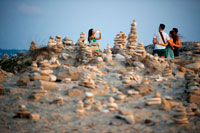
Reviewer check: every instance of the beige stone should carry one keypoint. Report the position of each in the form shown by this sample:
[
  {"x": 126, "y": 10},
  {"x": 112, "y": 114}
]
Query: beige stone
[
  {"x": 46, "y": 85},
  {"x": 35, "y": 117},
  {"x": 75, "y": 92},
  {"x": 41, "y": 77}
]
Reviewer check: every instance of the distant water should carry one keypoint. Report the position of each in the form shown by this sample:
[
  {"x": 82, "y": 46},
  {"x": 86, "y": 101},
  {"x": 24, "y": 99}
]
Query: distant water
[{"x": 10, "y": 52}]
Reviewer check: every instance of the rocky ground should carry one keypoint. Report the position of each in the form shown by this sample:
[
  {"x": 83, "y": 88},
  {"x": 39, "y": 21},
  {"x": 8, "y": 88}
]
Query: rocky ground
[{"x": 80, "y": 88}]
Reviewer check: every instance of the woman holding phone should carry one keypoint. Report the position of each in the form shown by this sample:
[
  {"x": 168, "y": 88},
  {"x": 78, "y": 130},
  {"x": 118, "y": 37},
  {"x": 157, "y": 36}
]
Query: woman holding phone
[{"x": 91, "y": 35}]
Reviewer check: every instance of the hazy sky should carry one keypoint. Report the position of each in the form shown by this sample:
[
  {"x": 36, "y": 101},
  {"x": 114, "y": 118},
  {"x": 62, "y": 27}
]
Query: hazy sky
[{"x": 22, "y": 21}]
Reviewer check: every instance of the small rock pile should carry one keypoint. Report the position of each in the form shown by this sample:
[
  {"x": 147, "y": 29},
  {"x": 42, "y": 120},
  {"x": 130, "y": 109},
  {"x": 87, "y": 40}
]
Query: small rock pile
[
  {"x": 67, "y": 41},
  {"x": 120, "y": 41},
  {"x": 51, "y": 42},
  {"x": 86, "y": 81},
  {"x": 193, "y": 86},
  {"x": 154, "y": 101},
  {"x": 82, "y": 39},
  {"x": 33, "y": 46},
  {"x": 141, "y": 50},
  {"x": 112, "y": 106},
  {"x": 88, "y": 100},
  {"x": 180, "y": 115}
]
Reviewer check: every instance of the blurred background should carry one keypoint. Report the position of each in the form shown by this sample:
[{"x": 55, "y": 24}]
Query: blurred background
[{"x": 25, "y": 20}]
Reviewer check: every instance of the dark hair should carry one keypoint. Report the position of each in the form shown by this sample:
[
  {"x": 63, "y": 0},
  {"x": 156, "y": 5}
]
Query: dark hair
[
  {"x": 174, "y": 36},
  {"x": 89, "y": 33},
  {"x": 162, "y": 26},
  {"x": 176, "y": 30}
]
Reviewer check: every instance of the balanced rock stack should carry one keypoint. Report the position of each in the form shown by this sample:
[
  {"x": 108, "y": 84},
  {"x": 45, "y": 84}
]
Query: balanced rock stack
[
  {"x": 34, "y": 67},
  {"x": 112, "y": 105},
  {"x": 38, "y": 93},
  {"x": 88, "y": 100},
  {"x": 80, "y": 108},
  {"x": 193, "y": 85},
  {"x": 84, "y": 52},
  {"x": 45, "y": 72},
  {"x": 179, "y": 115},
  {"x": 59, "y": 100},
  {"x": 127, "y": 79},
  {"x": 132, "y": 39},
  {"x": 51, "y": 42},
  {"x": 120, "y": 41},
  {"x": 120, "y": 96},
  {"x": 67, "y": 41},
  {"x": 108, "y": 57},
  {"x": 141, "y": 50},
  {"x": 82, "y": 39},
  {"x": 59, "y": 44},
  {"x": 22, "y": 113},
  {"x": 32, "y": 46},
  {"x": 196, "y": 52},
  {"x": 98, "y": 106},
  {"x": 154, "y": 101},
  {"x": 86, "y": 81}
]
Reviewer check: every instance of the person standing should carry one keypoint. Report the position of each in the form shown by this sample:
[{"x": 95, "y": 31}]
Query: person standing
[
  {"x": 160, "y": 38},
  {"x": 91, "y": 35},
  {"x": 177, "y": 43}
]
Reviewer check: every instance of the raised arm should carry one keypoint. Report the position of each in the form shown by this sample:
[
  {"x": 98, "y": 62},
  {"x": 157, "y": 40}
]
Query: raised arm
[{"x": 98, "y": 38}]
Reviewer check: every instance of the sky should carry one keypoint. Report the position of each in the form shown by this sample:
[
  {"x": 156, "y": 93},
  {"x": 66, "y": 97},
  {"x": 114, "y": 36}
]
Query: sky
[{"x": 22, "y": 21}]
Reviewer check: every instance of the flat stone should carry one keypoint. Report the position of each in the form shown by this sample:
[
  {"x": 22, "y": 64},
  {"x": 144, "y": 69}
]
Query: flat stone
[{"x": 46, "y": 85}]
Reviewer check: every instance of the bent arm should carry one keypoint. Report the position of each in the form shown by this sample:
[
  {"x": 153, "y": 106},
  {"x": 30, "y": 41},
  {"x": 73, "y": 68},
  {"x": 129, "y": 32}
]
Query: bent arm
[
  {"x": 163, "y": 44},
  {"x": 178, "y": 43},
  {"x": 98, "y": 38}
]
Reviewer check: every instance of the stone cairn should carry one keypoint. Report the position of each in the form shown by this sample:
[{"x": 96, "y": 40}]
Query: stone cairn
[
  {"x": 51, "y": 42},
  {"x": 80, "y": 108},
  {"x": 112, "y": 106},
  {"x": 57, "y": 44},
  {"x": 67, "y": 41},
  {"x": 141, "y": 50},
  {"x": 193, "y": 86},
  {"x": 196, "y": 52},
  {"x": 86, "y": 81},
  {"x": 33, "y": 46},
  {"x": 120, "y": 41},
  {"x": 82, "y": 40},
  {"x": 88, "y": 100},
  {"x": 132, "y": 39},
  {"x": 44, "y": 72},
  {"x": 180, "y": 115},
  {"x": 22, "y": 113},
  {"x": 154, "y": 101},
  {"x": 108, "y": 52},
  {"x": 120, "y": 96}
]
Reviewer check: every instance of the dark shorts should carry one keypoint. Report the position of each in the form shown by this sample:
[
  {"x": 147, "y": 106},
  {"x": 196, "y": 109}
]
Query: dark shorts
[
  {"x": 160, "y": 52},
  {"x": 176, "y": 51}
]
